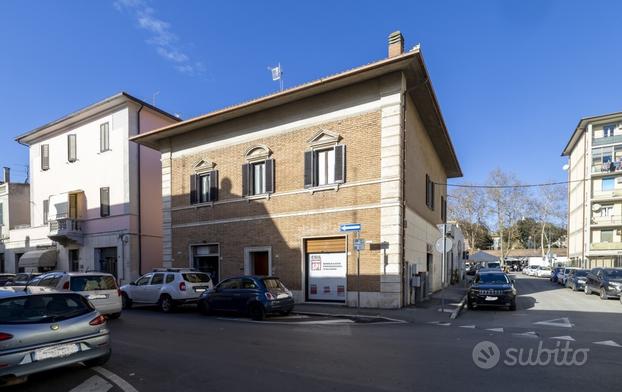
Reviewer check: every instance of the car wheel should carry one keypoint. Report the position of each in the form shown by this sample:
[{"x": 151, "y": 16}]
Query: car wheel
[
  {"x": 166, "y": 304},
  {"x": 512, "y": 306},
  {"x": 257, "y": 312},
  {"x": 470, "y": 305},
  {"x": 285, "y": 313},
  {"x": 127, "y": 302},
  {"x": 603, "y": 294},
  {"x": 98, "y": 361},
  {"x": 204, "y": 308},
  {"x": 114, "y": 316}
]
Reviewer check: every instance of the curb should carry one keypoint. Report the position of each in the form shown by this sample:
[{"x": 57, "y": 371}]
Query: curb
[
  {"x": 392, "y": 320},
  {"x": 456, "y": 312}
]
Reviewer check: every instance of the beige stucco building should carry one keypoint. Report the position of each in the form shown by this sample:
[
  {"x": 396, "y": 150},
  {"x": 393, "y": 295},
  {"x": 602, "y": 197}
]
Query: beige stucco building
[
  {"x": 595, "y": 192},
  {"x": 263, "y": 187}
]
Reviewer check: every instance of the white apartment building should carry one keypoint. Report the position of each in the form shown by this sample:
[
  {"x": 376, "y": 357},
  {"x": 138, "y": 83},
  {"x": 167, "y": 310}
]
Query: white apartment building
[
  {"x": 595, "y": 192},
  {"x": 94, "y": 196}
]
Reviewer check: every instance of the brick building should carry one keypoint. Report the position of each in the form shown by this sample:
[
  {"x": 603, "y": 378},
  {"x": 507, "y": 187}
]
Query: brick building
[{"x": 262, "y": 187}]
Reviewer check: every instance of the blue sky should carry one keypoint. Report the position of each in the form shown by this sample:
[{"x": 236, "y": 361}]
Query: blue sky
[{"x": 512, "y": 77}]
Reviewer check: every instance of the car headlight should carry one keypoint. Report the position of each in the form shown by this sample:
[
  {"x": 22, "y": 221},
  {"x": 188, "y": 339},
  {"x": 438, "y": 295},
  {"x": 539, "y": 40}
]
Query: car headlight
[{"x": 615, "y": 285}]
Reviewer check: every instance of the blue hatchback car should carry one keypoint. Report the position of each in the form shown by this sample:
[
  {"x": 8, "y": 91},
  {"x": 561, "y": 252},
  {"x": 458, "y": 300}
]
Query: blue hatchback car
[{"x": 255, "y": 296}]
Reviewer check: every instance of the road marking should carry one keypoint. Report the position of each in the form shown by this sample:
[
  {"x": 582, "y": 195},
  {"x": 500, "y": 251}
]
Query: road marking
[
  {"x": 338, "y": 321},
  {"x": 121, "y": 383},
  {"x": 610, "y": 343},
  {"x": 569, "y": 338},
  {"x": 93, "y": 384},
  {"x": 530, "y": 334},
  {"x": 442, "y": 324},
  {"x": 560, "y": 322},
  {"x": 467, "y": 326},
  {"x": 495, "y": 329}
]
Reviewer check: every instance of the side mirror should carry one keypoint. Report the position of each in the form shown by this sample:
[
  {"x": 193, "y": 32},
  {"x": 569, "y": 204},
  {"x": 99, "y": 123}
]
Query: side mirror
[{"x": 132, "y": 283}]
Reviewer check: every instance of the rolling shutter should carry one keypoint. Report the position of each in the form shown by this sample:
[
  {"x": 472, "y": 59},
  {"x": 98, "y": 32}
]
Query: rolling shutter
[
  {"x": 325, "y": 245},
  {"x": 340, "y": 164},
  {"x": 309, "y": 169},
  {"x": 213, "y": 190},
  {"x": 269, "y": 175},
  {"x": 193, "y": 189}
]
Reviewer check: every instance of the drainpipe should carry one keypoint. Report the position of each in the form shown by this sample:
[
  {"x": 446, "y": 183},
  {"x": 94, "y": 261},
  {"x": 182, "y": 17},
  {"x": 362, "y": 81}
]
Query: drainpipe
[{"x": 140, "y": 234}]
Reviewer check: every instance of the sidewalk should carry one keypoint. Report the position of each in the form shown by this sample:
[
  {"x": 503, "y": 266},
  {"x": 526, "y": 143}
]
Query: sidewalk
[{"x": 425, "y": 311}]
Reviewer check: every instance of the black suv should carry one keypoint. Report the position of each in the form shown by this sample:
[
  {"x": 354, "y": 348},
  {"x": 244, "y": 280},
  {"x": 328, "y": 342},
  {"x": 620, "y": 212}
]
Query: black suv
[
  {"x": 492, "y": 288},
  {"x": 607, "y": 282}
]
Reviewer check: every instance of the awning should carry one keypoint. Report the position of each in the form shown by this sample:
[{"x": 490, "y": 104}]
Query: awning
[{"x": 38, "y": 258}]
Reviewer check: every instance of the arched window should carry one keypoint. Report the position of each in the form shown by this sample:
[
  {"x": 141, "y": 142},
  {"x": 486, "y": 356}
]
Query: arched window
[{"x": 258, "y": 171}]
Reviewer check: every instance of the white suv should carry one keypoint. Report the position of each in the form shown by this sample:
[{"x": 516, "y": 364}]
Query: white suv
[
  {"x": 166, "y": 288},
  {"x": 98, "y": 287}
]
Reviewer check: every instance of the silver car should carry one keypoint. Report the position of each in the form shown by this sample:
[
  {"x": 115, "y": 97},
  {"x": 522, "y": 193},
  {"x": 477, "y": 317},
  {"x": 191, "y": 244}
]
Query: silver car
[{"x": 41, "y": 330}]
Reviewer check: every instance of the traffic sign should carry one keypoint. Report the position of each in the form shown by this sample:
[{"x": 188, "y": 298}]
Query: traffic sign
[
  {"x": 439, "y": 245},
  {"x": 350, "y": 227},
  {"x": 359, "y": 244}
]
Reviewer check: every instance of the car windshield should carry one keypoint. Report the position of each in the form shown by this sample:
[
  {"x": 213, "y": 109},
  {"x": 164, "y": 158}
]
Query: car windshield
[
  {"x": 47, "y": 308},
  {"x": 92, "y": 283},
  {"x": 493, "y": 278},
  {"x": 581, "y": 273},
  {"x": 614, "y": 273},
  {"x": 493, "y": 265},
  {"x": 274, "y": 283},
  {"x": 196, "y": 277}
]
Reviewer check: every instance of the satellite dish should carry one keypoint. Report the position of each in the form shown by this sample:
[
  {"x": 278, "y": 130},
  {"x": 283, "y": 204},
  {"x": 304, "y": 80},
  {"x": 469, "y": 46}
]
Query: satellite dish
[
  {"x": 566, "y": 167},
  {"x": 596, "y": 207}
]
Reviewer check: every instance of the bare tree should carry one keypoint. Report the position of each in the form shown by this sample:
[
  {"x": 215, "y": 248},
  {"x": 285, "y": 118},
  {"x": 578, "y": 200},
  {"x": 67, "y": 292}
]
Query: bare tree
[
  {"x": 549, "y": 207},
  {"x": 468, "y": 205},
  {"x": 508, "y": 203}
]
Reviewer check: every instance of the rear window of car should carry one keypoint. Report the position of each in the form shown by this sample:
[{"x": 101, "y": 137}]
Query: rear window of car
[
  {"x": 273, "y": 283},
  {"x": 196, "y": 277},
  {"x": 581, "y": 273},
  {"x": 92, "y": 283},
  {"x": 46, "y": 308},
  {"x": 614, "y": 273}
]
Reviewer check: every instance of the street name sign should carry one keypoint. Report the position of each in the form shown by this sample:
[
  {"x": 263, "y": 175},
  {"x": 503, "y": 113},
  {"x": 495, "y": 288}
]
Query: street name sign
[{"x": 350, "y": 227}]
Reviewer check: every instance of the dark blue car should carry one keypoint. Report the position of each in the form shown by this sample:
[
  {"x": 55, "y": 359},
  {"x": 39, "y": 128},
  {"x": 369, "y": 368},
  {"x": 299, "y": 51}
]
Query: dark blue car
[{"x": 255, "y": 296}]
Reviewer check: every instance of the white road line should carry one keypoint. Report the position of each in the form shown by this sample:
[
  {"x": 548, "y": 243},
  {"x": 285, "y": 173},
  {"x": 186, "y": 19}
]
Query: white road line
[
  {"x": 569, "y": 338},
  {"x": 608, "y": 343},
  {"x": 530, "y": 334},
  {"x": 93, "y": 384},
  {"x": 121, "y": 383},
  {"x": 495, "y": 329},
  {"x": 467, "y": 326},
  {"x": 560, "y": 322}
]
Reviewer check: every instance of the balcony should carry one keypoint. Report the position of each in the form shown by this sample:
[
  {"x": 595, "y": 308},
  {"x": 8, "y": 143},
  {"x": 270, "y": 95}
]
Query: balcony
[
  {"x": 65, "y": 231},
  {"x": 601, "y": 141},
  {"x": 604, "y": 221},
  {"x": 606, "y": 246},
  {"x": 607, "y": 168}
]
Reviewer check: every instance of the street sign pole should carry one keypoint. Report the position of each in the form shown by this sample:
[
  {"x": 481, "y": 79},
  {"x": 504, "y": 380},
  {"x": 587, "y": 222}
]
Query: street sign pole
[
  {"x": 358, "y": 275},
  {"x": 444, "y": 267}
]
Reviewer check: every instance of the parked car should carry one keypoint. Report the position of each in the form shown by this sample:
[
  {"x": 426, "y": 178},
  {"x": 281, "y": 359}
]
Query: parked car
[
  {"x": 42, "y": 331},
  {"x": 530, "y": 270},
  {"x": 22, "y": 279},
  {"x": 543, "y": 271},
  {"x": 563, "y": 274},
  {"x": 492, "y": 288},
  {"x": 553, "y": 273},
  {"x": 98, "y": 287},
  {"x": 256, "y": 296},
  {"x": 166, "y": 288},
  {"x": 576, "y": 279},
  {"x": 4, "y": 278},
  {"x": 607, "y": 282}
]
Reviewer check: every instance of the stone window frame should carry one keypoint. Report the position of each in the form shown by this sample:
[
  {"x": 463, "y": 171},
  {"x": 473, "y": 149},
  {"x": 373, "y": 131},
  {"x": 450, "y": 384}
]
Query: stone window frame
[
  {"x": 325, "y": 139},
  {"x": 256, "y": 154}
]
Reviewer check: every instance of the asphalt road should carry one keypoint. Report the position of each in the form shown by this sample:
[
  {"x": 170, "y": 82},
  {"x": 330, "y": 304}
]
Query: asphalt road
[{"x": 187, "y": 351}]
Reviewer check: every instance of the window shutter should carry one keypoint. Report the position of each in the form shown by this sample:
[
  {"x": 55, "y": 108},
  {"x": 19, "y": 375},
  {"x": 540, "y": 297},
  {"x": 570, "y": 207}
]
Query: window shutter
[
  {"x": 427, "y": 190},
  {"x": 104, "y": 201},
  {"x": 46, "y": 211},
  {"x": 104, "y": 137},
  {"x": 246, "y": 179},
  {"x": 45, "y": 156},
  {"x": 213, "y": 190},
  {"x": 309, "y": 169},
  {"x": 71, "y": 148},
  {"x": 432, "y": 195},
  {"x": 340, "y": 163},
  {"x": 269, "y": 175},
  {"x": 193, "y": 189}
]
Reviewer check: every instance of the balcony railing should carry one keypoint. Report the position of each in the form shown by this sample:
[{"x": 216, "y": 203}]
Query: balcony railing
[
  {"x": 609, "y": 167},
  {"x": 65, "y": 226},
  {"x": 606, "y": 140},
  {"x": 612, "y": 220},
  {"x": 606, "y": 246}
]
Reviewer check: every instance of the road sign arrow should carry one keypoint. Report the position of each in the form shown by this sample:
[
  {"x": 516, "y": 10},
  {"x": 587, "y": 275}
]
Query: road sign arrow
[{"x": 560, "y": 322}]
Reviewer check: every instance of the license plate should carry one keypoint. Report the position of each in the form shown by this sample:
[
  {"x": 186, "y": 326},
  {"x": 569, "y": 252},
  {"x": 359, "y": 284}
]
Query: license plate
[
  {"x": 97, "y": 296},
  {"x": 199, "y": 290},
  {"x": 56, "y": 351},
  {"x": 491, "y": 298}
]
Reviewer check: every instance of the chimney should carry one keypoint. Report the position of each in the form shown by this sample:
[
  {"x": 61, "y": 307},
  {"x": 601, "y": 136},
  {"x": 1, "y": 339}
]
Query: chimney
[
  {"x": 6, "y": 174},
  {"x": 396, "y": 44}
]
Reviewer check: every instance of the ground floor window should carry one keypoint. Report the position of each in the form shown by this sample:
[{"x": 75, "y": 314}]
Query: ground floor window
[
  {"x": 326, "y": 269},
  {"x": 206, "y": 258},
  {"x": 106, "y": 260}
]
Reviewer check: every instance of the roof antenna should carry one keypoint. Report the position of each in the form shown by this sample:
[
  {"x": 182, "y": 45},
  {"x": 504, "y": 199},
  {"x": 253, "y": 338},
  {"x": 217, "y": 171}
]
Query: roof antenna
[
  {"x": 277, "y": 74},
  {"x": 153, "y": 100}
]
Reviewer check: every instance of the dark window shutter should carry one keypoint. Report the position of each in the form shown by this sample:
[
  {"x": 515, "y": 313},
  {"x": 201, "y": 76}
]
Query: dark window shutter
[
  {"x": 270, "y": 176},
  {"x": 213, "y": 190},
  {"x": 432, "y": 195},
  {"x": 340, "y": 164},
  {"x": 193, "y": 189},
  {"x": 46, "y": 211},
  {"x": 309, "y": 169},
  {"x": 104, "y": 201},
  {"x": 45, "y": 156},
  {"x": 427, "y": 190},
  {"x": 246, "y": 179}
]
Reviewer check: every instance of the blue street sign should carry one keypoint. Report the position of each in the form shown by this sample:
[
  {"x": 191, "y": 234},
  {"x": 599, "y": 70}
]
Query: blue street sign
[
  {"x": 359, "y": 244},
  {"x": 350, "y": 227}
]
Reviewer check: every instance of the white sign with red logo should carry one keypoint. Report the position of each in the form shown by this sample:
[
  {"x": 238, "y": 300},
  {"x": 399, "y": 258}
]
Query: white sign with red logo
[{"x": 327, "y": 276}]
